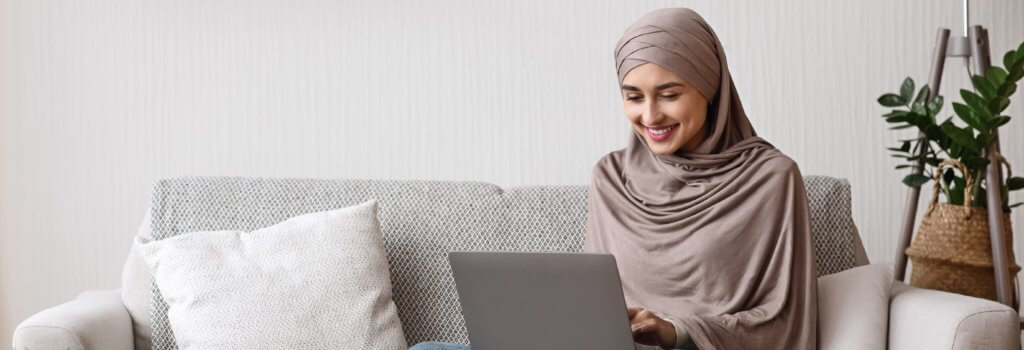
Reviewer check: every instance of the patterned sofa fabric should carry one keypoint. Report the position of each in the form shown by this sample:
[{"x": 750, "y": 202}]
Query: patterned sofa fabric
[{"x": 423, "y": 220}]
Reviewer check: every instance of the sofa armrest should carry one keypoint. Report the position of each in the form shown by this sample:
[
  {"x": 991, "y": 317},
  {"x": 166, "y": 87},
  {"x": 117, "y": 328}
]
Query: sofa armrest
[
  {"x": 94, "y": 320},
  {"x": 931, "y": 319}
]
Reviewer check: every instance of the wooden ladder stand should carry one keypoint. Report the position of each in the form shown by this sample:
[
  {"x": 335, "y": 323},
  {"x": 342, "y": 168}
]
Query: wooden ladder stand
[{"x": 974, "y": 45}]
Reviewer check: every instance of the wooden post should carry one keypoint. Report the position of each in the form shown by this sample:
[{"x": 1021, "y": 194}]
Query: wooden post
[
  {"x": 910, "y": 210},
  {"x": 993, "y": 179}
]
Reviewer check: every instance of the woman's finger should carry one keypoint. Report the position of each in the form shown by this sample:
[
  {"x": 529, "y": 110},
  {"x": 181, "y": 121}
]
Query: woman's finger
[
  {"x": 643, "y": 326},
  {"x": 632, "y": 311},
  {"x": 642, "y": 316}
]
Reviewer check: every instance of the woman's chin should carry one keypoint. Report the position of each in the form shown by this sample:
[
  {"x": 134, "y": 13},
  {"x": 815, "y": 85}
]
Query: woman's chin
[{"x": 661, "y": 150}]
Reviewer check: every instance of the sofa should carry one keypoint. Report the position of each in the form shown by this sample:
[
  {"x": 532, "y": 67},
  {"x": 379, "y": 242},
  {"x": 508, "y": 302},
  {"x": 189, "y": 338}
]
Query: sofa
[{"x": 422, "y": 221}]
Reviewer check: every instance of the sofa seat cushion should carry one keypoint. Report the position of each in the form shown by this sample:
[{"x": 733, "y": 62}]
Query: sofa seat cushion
[{"x": 853, "y": 308}]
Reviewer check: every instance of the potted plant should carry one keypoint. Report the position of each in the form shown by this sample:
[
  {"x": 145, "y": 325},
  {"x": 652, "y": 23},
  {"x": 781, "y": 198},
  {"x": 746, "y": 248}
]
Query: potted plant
[{"x": 951, "y": 251}]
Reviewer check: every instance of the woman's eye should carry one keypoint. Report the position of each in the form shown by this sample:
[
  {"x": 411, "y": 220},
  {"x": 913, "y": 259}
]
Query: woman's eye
[{"x": 638, "y": 98}]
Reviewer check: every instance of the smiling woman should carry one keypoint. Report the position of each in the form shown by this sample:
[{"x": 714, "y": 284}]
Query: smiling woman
[
  {"x": 708, "y": 222},
  {"x": 670, "y": 113}
]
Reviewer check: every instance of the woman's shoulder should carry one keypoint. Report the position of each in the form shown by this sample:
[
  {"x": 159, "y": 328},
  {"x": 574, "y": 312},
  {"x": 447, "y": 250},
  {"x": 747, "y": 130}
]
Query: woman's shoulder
[{"x": 778, "y": 163}]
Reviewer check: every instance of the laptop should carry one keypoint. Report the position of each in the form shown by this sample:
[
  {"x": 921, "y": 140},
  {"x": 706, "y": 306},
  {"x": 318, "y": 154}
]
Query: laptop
[{"x": 520, "y": 301}]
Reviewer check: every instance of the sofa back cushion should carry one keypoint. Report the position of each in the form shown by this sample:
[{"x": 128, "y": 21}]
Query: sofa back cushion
[{"x": 424, "y": 220}]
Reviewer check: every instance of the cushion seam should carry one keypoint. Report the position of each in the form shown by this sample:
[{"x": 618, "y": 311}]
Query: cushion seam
[{"x": 961, "y": 323}]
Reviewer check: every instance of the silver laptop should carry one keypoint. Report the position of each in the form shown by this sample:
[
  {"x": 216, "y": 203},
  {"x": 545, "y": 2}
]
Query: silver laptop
[{"x": 541, "y": 300}]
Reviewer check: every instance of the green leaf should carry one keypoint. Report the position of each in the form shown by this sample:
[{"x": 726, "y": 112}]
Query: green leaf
[
  {"x": 918, "y": 108},
  {"x": 948, "y": 175},
  {"x": 979, "y": 198},
  {"x": 906, "y": 117},
  {"x": 1015, "y": 74},
  {"x": 975, "y": 162},
  {"x": 998, "y": 105},
  {"x": 960, "y": 136},
  {"x": 911, "y": 118},
  {"x": 956, "y": 193},
  {"x": 935, "y": 105},
  {"x": 1007, "y": 89},
  {"x": 907, "y": 89},
  {"x": 920, "y": 120},
  {"x": 1015, "y": 183},
  {"x": 998, "y": 121},
  {"x": 915, "y": 180},
  {"x": 983, "y": 86},
  {"x": 934, "y": 132},
  {"x": 1016, "y": 205},
  {"x": 922, "y": 95},
  {"x": 977, "y": 103},
  {"x": 948, "y": 121},
  {"x": 895, "y": 112},
  {"x": 996, "y": 75},
  {"x": 1009, "y": 59},
  {"x": 904, "y": 148},
  {"x": 891, "y": 100},
  {"x": 985, "y": 139},
  {"x": 1012, "y": 59},
  {"x": 904, "y": 126},
  {"x": 1018, "y": 56},
  {"x": 903, "y": 166},
  {"x": 967, "y": 115}
]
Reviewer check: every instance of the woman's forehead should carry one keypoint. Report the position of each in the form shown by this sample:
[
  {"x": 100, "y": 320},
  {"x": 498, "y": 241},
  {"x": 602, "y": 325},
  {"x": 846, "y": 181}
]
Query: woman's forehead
[{"x": 651, "y": 75}]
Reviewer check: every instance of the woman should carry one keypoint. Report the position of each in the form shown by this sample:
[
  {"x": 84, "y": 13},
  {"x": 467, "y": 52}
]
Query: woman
[{"x": 708, "y": 223}]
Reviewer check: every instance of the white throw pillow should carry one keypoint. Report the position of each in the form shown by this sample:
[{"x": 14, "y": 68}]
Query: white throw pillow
[
  {"x": 314, "y": 281},
  {"x": 853, "y": 308}
]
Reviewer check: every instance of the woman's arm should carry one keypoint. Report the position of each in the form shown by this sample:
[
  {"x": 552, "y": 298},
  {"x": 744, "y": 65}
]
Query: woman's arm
[
  {"x": 652, "y": 328},
  {"x": 683, "y": 340}
]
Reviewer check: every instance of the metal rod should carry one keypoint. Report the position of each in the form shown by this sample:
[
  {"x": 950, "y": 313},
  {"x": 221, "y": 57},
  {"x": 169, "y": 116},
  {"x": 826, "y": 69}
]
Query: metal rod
[
  {"x": 994, "y": 180},
  {"x": 910, "y": 210}
]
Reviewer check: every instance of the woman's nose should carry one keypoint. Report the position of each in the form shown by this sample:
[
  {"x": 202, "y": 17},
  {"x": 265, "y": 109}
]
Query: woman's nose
[{"x": 651, "y": 114}]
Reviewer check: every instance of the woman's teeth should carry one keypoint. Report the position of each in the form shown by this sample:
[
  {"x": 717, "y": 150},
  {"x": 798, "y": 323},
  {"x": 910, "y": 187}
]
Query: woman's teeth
[
  {"x": 659, "y": 131},
  {"x": 660, "y": 134}
]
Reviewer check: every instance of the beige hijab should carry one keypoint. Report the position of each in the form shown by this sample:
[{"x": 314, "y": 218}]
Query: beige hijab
[{"x": 717, "y": 240}]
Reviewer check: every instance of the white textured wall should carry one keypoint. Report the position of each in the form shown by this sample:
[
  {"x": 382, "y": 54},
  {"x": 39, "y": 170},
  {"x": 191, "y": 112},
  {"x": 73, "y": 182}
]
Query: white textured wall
[{"x": 99, "y": 98}]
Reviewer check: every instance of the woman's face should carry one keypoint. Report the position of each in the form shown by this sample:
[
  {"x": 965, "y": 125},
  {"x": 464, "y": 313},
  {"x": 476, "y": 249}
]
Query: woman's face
[{"x": 664, "y": 108}]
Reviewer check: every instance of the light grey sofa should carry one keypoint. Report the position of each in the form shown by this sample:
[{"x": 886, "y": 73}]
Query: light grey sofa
[{"x": 422, "y": 221}]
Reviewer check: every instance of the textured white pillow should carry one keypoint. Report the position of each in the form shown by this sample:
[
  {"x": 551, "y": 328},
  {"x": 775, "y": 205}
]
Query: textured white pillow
[
  {"x": 853, "y": 308},
  {"x": 315, "y": 281}
]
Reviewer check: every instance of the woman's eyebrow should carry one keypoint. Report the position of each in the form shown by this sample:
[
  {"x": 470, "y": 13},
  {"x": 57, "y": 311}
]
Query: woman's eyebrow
[{"x": 656, "y": 88}]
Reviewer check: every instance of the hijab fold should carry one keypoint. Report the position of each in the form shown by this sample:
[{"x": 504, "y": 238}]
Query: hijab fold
[{"x": 717, "y": 239}]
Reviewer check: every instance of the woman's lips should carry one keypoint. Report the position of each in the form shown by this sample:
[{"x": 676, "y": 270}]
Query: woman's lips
[{"x": 660, "y": 133}]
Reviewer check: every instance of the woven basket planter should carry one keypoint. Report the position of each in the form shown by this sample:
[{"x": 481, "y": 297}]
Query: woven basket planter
[{"x": 952, "y": 250}]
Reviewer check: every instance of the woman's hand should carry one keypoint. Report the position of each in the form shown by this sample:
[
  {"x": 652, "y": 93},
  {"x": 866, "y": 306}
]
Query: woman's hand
[{"x": 649, "y": 329}]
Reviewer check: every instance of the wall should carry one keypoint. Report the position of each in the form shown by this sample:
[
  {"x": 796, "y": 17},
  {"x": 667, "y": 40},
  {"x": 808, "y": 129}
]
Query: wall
[{"x": 100, "y": 98}]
